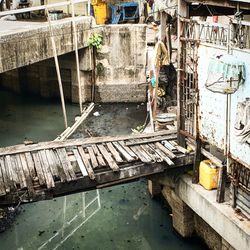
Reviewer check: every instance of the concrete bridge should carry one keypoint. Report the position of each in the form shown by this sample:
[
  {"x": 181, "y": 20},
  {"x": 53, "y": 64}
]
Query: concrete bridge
[
  {"x": 45, "y": 170},
  {"x": 25, "y": 43}
]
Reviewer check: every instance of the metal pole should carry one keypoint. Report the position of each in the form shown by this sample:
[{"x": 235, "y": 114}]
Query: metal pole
[
  {"x": 88, "y": 7},
  {"x": 77, "y": 56},
  {"x": 57, "y": 69}
]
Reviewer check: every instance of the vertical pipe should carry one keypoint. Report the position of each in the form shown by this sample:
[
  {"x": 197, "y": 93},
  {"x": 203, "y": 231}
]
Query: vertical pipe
[
  {"x": 77, "y": 56},
  {"x": 89, "y": 7},
  {"x": 57, "y": 70}
]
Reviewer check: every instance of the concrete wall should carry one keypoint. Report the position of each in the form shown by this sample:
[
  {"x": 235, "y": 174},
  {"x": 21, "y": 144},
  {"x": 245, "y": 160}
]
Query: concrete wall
[
  {"x": 121, "y": 64},
  {"x": 212, "y": 106},
  {"x": 22, "y": 44},
  {"x": 120, "y": 70}
]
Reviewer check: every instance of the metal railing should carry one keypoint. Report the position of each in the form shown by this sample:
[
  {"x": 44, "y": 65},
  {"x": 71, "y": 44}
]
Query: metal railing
[
  {"x": 234, "y": 35},
  {"x": 43, "y": 7}
]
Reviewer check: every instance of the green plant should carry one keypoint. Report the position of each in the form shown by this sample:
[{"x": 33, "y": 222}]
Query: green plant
[{"x": 95, "y": 40}]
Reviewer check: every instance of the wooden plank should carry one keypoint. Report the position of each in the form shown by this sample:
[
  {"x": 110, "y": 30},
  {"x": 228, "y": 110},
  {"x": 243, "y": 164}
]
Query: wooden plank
[
  {"x": 108, "y": 158},
  {"x": 179, "y": 148},
  {"x": 2, "y": 186},
  {"x": 80, "y": 163},
  {"x": 86, "y": 163},
  {"x": 5, "y": 176},
  {"x": 15, "y": 169},
  {"x": 220, "y": 197},
  {"x": 140, "y": 154},
  {"x": 62, "y": 175},
  {"x": 23, "y": 183},
  {"x": 51, "y": 162},
  {"x": 64, "y": 164},
  {"x": 92, "y": 157},
  {"x": 114, "y": 153},
  {"x": 197, "y": 160},
  {"x": 152, "y": 153},
  {"x": 161, "y": 154},
  {"x": 10, "y": 172},
  {"x": 70, "y": 167},
  {"x": 46, "y": 169},
  {"x": 27, "y": 175},
  {"x": 150, "y": 140},
  {"x": 123, "y": 152},
  {"x": 168, "y": 145},
  {"x": 78, "y": 142},
  {"x": 38, "y": 167},
  {"x": 165, "y": 150},
  {"x": 100, "y": 159},
  {"x": 128, "y": 150},
  {"x": 31, "y": 164}
]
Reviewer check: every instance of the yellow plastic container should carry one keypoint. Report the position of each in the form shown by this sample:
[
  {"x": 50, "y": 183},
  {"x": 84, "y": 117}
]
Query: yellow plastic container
[
  {"x": 208, "y": 175},
  {"x": 101, "y": 11}
]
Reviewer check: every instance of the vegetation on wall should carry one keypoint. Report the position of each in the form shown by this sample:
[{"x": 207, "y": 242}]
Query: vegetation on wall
[{"x": 95, "y": 40}]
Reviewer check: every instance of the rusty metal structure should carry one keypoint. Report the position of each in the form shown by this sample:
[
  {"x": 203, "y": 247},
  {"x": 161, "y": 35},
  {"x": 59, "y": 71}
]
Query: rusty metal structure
[{"x": 207, "y": 118}]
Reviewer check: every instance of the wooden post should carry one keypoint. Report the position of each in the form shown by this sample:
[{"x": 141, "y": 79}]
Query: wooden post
[
  {"x": 197, "y": 160},
  {"x": 57, "y": 70},
  {"x": 182, "y": 11},
  {"x": 77, "y": 56},
  {"x": 221, "y": 184},
  {"x": 157, "y": 70},
  {"x": 163, "y": 16},
  {"x": 93, "y": 74},
  {"x": 169, "y": 42}
]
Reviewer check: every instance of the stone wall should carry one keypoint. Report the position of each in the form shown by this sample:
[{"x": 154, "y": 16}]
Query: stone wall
[{"x": 185, "y": 221}]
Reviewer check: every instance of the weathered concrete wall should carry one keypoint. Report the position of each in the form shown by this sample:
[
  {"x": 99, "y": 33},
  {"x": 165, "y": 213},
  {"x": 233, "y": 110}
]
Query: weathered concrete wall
[
  {"x": 121, "y": 64},
  {"x": 221, "y": 217},
  {"x": 25, "y": 43},
  {"x": 212, "y": 122},
  {"x": 120, "y": 70},
  {"x": 189, "y": 220}
]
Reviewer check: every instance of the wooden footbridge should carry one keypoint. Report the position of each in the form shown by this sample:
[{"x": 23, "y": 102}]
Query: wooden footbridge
[{"x": 50, "y": 169}]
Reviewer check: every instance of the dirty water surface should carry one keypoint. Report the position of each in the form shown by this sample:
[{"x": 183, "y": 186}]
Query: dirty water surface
[{"x": 119, "y": 217}]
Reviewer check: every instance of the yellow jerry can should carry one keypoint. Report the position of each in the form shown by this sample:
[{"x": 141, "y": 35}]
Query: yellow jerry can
[
  {"x": 208, "y": 175},
  {"x": 101, "y": 11}
]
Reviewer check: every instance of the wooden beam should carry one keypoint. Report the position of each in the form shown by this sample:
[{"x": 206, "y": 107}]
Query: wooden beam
[
  {"x": 76, "y": 55},
  {"x": 197, "y": 160},
  {"x": 222, "y": 3},
  {"x": 77, "y": 142},
  {"x": 57, "y": 69}
]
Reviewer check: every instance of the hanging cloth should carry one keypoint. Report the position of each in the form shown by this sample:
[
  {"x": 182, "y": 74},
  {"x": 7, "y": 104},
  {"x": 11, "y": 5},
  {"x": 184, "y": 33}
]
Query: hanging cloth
[
  {"x": 161, "y": 55},
  {"x": 225, "y": 74},
  {"x": 242, "y": 123}
]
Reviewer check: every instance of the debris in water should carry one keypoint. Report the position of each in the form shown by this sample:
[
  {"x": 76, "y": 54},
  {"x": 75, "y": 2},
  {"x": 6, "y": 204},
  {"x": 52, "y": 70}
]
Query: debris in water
[
  {"x": 41, "y": 232},
  {"x": 7, "y": 217},
  {"x": 96, "y": 113}
]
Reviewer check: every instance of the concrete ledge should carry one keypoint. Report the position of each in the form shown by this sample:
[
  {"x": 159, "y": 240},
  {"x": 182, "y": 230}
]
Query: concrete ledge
[
  {"x": 24, "y": 43},
  {"x": 221, "y": 217}
]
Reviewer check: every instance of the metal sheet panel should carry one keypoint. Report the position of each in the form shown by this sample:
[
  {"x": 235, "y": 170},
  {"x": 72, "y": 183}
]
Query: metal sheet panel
[{"x": 212, "y": 106}]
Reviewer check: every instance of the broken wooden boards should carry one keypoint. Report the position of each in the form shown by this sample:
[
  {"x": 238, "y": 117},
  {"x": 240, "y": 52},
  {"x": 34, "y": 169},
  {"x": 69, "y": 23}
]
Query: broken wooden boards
[{"x": 44, "y": 166}]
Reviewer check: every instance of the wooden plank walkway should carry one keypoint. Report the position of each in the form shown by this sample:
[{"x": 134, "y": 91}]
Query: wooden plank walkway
[{"x": 49, "y": 169}]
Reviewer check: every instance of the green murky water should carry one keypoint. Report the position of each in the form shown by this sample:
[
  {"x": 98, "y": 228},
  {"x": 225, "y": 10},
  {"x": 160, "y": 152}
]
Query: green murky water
[{"x": 121, "y": 217}]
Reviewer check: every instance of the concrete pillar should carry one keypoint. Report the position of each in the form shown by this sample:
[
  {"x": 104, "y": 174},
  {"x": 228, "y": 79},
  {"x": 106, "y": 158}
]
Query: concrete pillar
[
  {"x": 183, "y": 216},
  {"x": 210, "y": 236},
  {"x": 44, "y": 87},
  {"x": 154, "y": 188},
  {"x": 226, "y": 246},
  {"x": 10, "y": 80}
]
